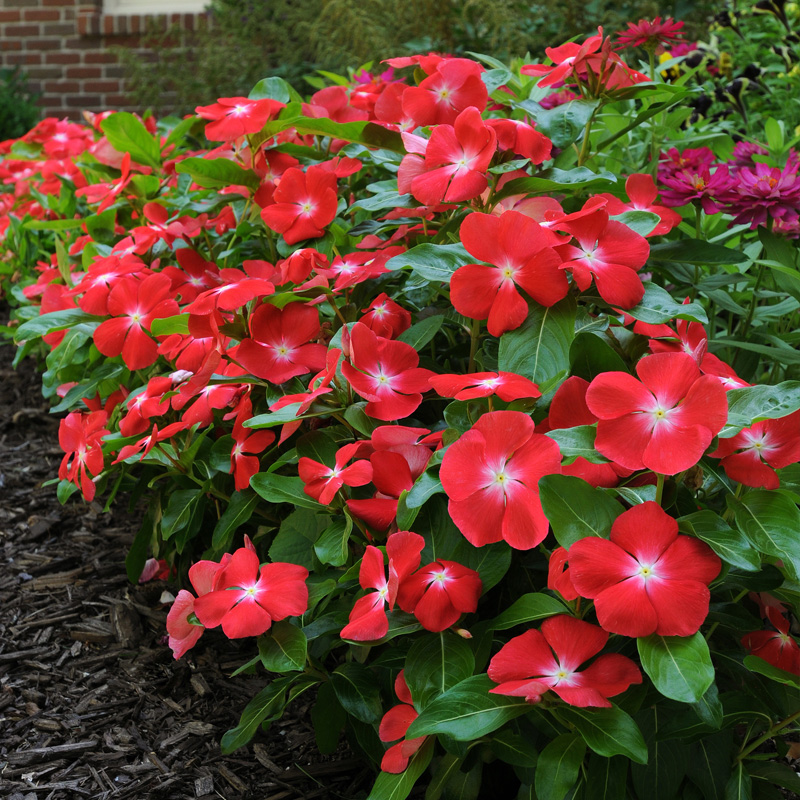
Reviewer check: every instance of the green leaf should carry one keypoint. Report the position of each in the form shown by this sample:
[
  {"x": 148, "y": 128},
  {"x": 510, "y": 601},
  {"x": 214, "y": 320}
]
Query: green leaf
[
  {"x": 657, "y": 306},
  {"x": 422, "y": 332},
  {"x": 282, "y": 489},
  {"x": 435, "y": 663},
  {"x": 267, "y": 704},
  {"x": 179, "y": 511},
  {"x": 467, "y": 711},
  {"x": 577, "y": 442},
  {"x": 575, "y": 509},
  {"x": 696, "y": 251},
  {"x": 728, "y": 543},
  {"x": 709, "y": 708},
  {"x": 296, "y": 537},
  {"x": 514, "y": 748},
  {"x": 328, "y": 718},
  {"x": 589, "y": 355},
  {"x": 283, "y": 648},
  {"x": 605, "y": 777},
  {"x": 164, "y": 326},
  {"x": 779, "y": 774},
  {"x": 137, "y": 554},
  {"x": 52, "y": 224},
  {"x": 663, "y": 774},
  {"x": 332, "y": 546},
  {"x": 275, "y": 88},
  {"x": 427, "y": 485},
  {"x": 680, "y": 667},
  {"x": 558, "y": 766},
  {"x": 739, "y": 785},
  {"x": 710, "y": 764},
  {"x": 756, "y": 664},
  {"x": 771, "y": 522},
  {"x": 127, "y": 134},
  {"x": 357, "y": 691},
  {"x": 397, "y": 787},
  {"x": 217, "y": 173},
  {"x": 641, "y": 222},
  {"x": 755, "y": 403},
  {"x": 52, "y": 321},
  {"x": 555, "y": 179},
  {"x": 367, "y": 133},
  {"x": 238, "y": 511},
  {"x": 528, "y": 608},
  {"x": 539, "y": 348},
  {"x": 565, "y": 123},
  {"x": 433, "y": 262},
  {"x": 608, "y": 731}
]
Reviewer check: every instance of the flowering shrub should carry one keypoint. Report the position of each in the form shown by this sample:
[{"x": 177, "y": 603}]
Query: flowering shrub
[{"x": 417, "y": 398}]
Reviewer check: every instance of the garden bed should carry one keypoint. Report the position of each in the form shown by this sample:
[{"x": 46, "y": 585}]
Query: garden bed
[{"x": 92, "y": 703}]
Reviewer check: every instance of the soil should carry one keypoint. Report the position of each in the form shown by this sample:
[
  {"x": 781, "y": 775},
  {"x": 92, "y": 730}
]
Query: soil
[{"x": 92, "y": 703}]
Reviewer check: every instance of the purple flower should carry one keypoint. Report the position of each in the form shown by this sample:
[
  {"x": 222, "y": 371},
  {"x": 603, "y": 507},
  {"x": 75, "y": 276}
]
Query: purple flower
[
  {"x": 760, "y": 191},
  {"x": 673, "y": 162},
  {"x": 697, "y": 184}
]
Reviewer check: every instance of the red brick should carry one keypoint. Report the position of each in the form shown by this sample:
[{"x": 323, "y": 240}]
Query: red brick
[
  {"x": 41, "y": 15},
  {"x": 84, "y": 72},
  {"x": 21, "y": 30},
  {"x": 100, "y": 57},
  {"x": 20, "y": 3},
  {"x": 10, "y": 16},
  {"x": 42, "y": 44},
  {"x": 74, "y": 44},
  {"x": 44, "y": 72},
  {"x": 117, "y": 100},
  {"x": 58, "y": 29},
  {"x": 63, "y": 58},
  {"x": 133, "y": 40},
  {"x": 101, "y": 86},
  {"x": 107, "y": 25},
  {"x": 83, "y": 100},
  {"x": 12, "y": 45},
  {"x": 62, "y": 87},
  {"x": 21, "y": 58}
]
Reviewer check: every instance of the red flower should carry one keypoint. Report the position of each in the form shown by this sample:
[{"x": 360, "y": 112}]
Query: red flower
[
  {"x": 183, "y": 635},
  {"x": 491, "y": 475},
  {"x": 641, "y": 189},
  {"x": 80, "y": 437},
  {"x": 246, "y": 443},
  {"x": 558, "y": 579},
  {"x": 386, "y": 373},
  {"x": 454, "y": 86},
  {"x": 148, "y": 403},
  {"x": 279, "y": 348},
  {"x": 322, "y": 482},
  {"x": 666, "y": 422},
  {"x": 507, "y": 386},
  {"x": 456, "y": 159},
  {"x": 439, "y": 593},
  {"x": 247, "y": 599},
  {"x": 386, "y": 318},
  {"x": 645, "y": 578},
  {"x": 537, "y": 661},
  {"x": 522, "y": 138},
  {"x": 134, "y": 305},
  {"x": 650, "y": 34},
  {"x": 752, "y": 456},
  {"x": 396, "y": 721},
  {"x": 521, "y": 254},
  {"x": 607, "y": 251},
  {"x": 775, "y": 647},
  {"x": 233, "y": 117},
  {"x": 368, "y": 620},
  {"x": 305, "y": 202}
]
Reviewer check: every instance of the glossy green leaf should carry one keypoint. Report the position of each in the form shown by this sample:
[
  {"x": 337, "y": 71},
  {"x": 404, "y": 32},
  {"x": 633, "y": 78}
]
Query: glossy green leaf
[
  {"x": 332, "y": 547},
  {"x": 754, "y": 403},
  {"x": 605, "y": 777},
  {"x": 467, "y": 711},
  {"x": 577, "y": 442},
  {"x": 608, "y": 731},
  {"x": 282, "y": 489},
  {"x": 419, "y": 334},
  {"x": 590, "y": 355},
  {"x": 181, "y": 506},
  {"x": 239, "y": 509},
  {"x": 696, "y": 251},
  {"x": 283, "y": 648},
  {"x": 357, "y": 691},
  {"x": 51, "y": 322},
  {"x": 664, "y": 772},
  {"x": 576, "y": 509},
  {"x": 165, "y": 326},
  {"x": 641, "y": 222},
  {"x": 658, "y": 306},
  {"x": 680, "y": 667},
  {"x": 771, "y": 522},
  {"x": 558, "y": 766},
  {"x": 397, "y": 787},
  {"x": 756, "y": 664},
  {"x": 710, "y": 765},
  {"x": 267, "y": 704},
  {"x": 435, "y": 663},
  {"x": 539, "y": 348},
  {"x": 739, "y": 785},
  {"x": 434, "y": 262},
  {"x": 555, "y": 179},
  {"x": 126, "y": 133},
  {"x": 564, "y": 124},
  {"x": 217, "y": 173},
  {"x": 528, "y": 608},
  {"x": 274, "y": 88},
  {"x": 728, "y": 543}
]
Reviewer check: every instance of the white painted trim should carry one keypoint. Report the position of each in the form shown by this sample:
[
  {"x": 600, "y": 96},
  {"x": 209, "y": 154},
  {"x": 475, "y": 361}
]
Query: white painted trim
[{"x": 118, "y": 7}]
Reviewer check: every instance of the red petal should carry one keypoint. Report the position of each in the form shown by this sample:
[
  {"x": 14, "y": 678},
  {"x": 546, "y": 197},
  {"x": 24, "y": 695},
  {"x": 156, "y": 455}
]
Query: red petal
[
  {"x": 624, "y": 440},
  {"x": 672, "y": 450},
  {"x": 473, "y": 289},
  {"x": 480, "y": 516},
  {"x": 247, "y": 618},
  {"x": 611, "y": 674},
  {"x": 573, "y": 640},
  {"x": 523, "y": 657},
  {"x": 669, "y": 377},
  {"x": 508, "y": 310},
  {"x": 435, "y": 611},
  {"x": 614, "y": 394},
  {"x": 626, "y": 609},
  {"x": 596, "y": 564},
  {"x": 681, "y": 606},
  {"x": 396, "y": 721},
  {"x": 645, "y": 531}
]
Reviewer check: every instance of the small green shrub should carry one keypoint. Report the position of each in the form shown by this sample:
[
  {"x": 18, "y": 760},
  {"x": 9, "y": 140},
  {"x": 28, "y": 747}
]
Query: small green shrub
[{"x": 18, "y": 111}]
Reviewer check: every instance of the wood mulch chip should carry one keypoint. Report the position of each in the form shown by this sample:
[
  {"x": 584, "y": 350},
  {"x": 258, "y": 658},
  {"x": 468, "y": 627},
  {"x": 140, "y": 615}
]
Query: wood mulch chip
[{"x": 92, "y": 704}]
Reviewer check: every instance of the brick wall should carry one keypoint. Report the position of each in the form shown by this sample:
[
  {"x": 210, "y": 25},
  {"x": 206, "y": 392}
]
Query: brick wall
[{"x": 64, "y": 47}]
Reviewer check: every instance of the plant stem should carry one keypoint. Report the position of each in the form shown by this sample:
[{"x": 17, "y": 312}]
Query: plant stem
[
  {"x": 584, "y": 153},
  {"x": 659, "y": 487},
  {"x": 768, "y": 735},
  {"x": 474, "y": 335}
]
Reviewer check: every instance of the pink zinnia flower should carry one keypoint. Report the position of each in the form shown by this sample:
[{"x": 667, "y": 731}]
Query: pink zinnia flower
[{"x": 650, "y": 34}]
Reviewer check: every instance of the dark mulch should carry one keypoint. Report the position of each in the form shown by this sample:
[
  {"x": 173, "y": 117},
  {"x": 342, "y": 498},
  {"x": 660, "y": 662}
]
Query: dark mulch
[{"x": 92, "y": 703}]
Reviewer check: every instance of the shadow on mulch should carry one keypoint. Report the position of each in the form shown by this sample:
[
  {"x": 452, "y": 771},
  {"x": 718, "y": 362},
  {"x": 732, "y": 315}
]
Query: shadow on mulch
[{"x": 92, "y": 703}]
